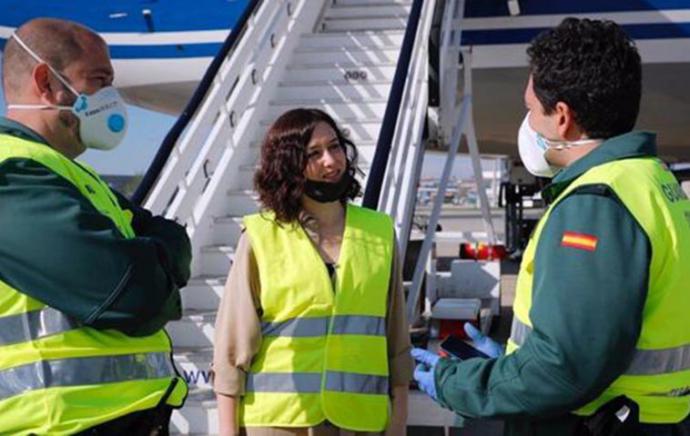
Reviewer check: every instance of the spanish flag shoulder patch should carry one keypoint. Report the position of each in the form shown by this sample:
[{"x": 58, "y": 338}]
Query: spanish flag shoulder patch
[{"x": 581, "y": 241}]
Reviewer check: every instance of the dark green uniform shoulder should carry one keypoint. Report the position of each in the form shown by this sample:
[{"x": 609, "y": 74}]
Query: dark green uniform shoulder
[{"x": 60, "y": 250}]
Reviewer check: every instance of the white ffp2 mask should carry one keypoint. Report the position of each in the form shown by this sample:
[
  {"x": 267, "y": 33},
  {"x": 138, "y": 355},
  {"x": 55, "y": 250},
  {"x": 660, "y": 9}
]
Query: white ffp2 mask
[
  {"x": 533, "y": 146},
  {"x": 102, "y": 115}
]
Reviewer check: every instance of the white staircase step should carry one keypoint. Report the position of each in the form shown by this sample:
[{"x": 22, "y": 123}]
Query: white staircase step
[
  {"x": 359, "y": 131},
  {"x": 359, "y": 91},
  {"x": 199, "y": 415},
  {"x": 368, "y": 39},
  {"x": 350, "y": 72},
  {"x": 351, "y": 80},
  {"x": 216, "y": 260},
  {"x": 228, "y": 228},
  {"x": 194, "y": 329},
  {"x": 203, "y": 292},
  {"x": 345, "y": 65},
  {"x": 337, "y": 108},
  {"x": 246, "y": 182},
  {"x": 354, "y": 24},
  {"x": 242, "y": 202},
  {"x": 366, "y": 156},
  {"x": 375, "y": 10},
  {"x": 194, "y": 365},
  {"x": 341, "y": 54}
]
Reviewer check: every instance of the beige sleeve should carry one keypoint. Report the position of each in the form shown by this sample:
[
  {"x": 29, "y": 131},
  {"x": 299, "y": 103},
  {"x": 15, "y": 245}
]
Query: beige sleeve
[
  {"x": 397, "y": 330},
  {"x": 238, "y": 324}
]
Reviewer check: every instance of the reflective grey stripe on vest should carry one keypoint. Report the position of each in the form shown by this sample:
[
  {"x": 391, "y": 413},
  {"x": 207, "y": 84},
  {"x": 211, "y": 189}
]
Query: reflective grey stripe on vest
[
  {"x": 662, "y": 361},
  {"x": 83, "y": 371},
  {"x": 297, "y": 327},
  {"x": 302, "y": 382},
  {"x": 310, "y": 382},
  {"x": 356, "y": 383},
  {"x": 28, "y": 326},
  {"x": 311, "y": 327},
  {"x": 359, "y": 325},
  {"x": 519, "y": 331},
  {"x": 644, "y": 362}
]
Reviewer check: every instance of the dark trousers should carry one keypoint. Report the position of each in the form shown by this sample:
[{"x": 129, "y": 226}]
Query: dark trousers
[
  {"x": 680, "y": 429},
  {"x": 570, "y": 425},
  {"x": 150, "y": 422}
]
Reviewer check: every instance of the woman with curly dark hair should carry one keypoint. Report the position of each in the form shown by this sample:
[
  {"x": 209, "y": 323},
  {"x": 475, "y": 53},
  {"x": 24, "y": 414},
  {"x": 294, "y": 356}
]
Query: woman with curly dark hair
[{"x": 311, "y": 336}]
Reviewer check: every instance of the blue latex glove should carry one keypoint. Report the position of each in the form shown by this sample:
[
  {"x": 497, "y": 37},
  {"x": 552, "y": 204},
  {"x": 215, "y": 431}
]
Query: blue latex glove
[
  {"x": 424, "y": 371},
  {"x": 483, "y": 343}
]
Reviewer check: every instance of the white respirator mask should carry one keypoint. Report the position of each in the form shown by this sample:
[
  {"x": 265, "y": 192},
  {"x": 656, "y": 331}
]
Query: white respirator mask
[
  {"x": 533, "y": 146},
  {"x": 102, "y": 115}
]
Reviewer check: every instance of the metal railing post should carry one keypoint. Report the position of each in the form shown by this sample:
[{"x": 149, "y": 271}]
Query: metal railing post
[
  {"x": 413, "y": 296},
  {"x": 474, "y": 153}
]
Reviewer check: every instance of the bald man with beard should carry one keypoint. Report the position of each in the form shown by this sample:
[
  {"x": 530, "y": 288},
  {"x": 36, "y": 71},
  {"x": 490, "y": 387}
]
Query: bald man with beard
[{"x": 87, "y": 279}]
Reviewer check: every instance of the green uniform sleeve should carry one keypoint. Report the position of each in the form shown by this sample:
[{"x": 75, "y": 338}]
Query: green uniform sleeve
[
  {"x": 57, "y": 248},
  {"x": 168, "y": 233},
  {"x": 586, "y": 315}
]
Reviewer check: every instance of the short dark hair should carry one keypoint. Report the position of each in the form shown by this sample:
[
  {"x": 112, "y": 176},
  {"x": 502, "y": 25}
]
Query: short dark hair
[
  {"x": 593, "y": 67},
  {"x": 57, "y": 42},
  {"x": 280, "y": 177}
]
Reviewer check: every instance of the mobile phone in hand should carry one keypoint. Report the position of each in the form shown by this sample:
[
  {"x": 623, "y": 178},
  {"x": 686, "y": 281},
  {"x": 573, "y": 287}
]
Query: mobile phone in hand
[{"x": 460, "y": 349}]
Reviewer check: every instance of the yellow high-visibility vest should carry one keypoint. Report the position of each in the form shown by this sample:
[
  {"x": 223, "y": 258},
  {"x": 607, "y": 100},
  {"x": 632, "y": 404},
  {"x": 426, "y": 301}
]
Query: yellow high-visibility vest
[
  {"x": 658, "y": 378},
  {"x": 323, "y": 352},
  {"x": 56, "y": 376}
]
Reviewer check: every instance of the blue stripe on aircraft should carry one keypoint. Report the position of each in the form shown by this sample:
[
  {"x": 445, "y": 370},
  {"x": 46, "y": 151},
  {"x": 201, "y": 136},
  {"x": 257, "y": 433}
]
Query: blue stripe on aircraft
[
  {"x": 165, "y": 51},
  {"x": 497, "y": 8},
  {"x": 525, "y": 35},
  {"x": 127, "y": 15}
]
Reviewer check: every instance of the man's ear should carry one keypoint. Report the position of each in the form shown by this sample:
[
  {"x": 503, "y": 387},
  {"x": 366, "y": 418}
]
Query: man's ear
[
  {"x": 567, "y": 128},
  {"x": 43, "y": 84}
]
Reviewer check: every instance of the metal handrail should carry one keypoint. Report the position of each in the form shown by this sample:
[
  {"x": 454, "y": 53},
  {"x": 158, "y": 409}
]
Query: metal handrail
[
  {"x": 379, "y": 164},
  {"x": 449, "y": 58},
  {"x": 168, "y": 144}
]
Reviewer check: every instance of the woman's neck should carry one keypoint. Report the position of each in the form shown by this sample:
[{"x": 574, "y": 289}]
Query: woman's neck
[{"x": 326, "y": 214}]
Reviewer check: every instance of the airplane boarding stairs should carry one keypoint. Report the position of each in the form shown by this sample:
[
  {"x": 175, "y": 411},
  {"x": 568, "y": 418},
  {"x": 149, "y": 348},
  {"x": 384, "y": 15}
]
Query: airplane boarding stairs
[{"x": 340, "y": 56}]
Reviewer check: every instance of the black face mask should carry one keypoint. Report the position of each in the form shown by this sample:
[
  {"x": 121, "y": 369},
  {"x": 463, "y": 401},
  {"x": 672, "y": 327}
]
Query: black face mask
[{"x": 326, "y": 192}]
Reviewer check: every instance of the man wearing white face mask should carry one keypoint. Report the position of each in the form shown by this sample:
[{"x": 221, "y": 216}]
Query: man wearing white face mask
[
  {"x": 87, "y": 279},
  {"x": 600, "y": 342}
]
